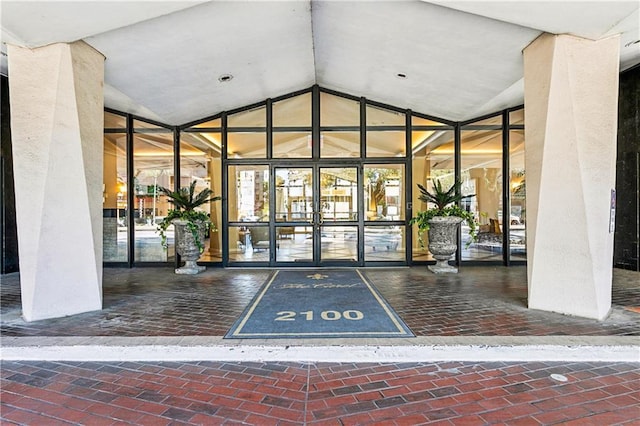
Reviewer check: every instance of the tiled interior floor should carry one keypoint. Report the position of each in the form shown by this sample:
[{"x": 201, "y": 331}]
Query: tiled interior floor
[
  {"x": 212, "y": 393},
  {"x": 479, "y": 301}
]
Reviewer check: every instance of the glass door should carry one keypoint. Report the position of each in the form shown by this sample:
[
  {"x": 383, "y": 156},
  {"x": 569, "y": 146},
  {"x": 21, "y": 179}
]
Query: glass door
[
  {"x": 315, "y": 215},
  {"x": 337, "y": 216}
]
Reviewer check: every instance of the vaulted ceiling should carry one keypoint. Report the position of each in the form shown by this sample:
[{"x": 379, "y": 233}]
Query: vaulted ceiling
[{"x": 459, "y": 59}]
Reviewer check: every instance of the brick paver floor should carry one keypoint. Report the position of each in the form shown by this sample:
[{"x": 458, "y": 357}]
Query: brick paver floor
[
  {"x": 212, "y": 393},
  {"x": 479, "y": 301}
]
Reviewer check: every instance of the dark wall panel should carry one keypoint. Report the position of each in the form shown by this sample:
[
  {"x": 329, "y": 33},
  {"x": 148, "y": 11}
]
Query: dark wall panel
[
  {"x": 8, "y": 233},
  {"x": 627, "y": 233}
]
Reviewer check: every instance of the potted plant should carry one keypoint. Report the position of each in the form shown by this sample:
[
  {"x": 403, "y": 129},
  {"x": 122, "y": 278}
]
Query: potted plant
[
  {"x": 442, "y": 222},
  {"x": 190, "y": 224}
]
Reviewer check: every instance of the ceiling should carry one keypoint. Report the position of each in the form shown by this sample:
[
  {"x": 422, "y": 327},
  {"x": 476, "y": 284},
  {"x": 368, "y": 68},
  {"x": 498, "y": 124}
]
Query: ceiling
[{"x": 461, "y": 59}]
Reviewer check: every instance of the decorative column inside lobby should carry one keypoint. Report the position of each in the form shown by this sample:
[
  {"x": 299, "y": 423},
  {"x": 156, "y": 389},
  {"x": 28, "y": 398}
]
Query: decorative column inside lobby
[
  {"x": 57, "y": 114},
  {"x": 571, "y": 105}
]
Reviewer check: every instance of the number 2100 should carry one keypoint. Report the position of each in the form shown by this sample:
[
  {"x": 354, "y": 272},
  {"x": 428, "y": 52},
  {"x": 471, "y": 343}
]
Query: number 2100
[{"x": 351, "y": 314}]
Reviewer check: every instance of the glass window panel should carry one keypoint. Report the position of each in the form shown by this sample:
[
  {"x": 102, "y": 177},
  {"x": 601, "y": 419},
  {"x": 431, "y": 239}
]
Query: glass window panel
[
  {"x": 217, "y": 123},
  {"x": 292, "y": 145},
  {"x": 432, "y": 156},
  {"x": 293, "y": 112},
  {"x": 383, "y": 117},
  {"x": 143, "y": 125},
  {"x": 491, "y": 121},
  {"x": 384, "y": 243},
  {"x": 338, "y": 111},
  {"x": 256, "y": 117},
  {"x": 419, "y": 121},
  {"x": 482, "y": 176},
  {"x": 294, "y": 243},
  {"x": 246, "y": 145},
  {"x": 339, "y": 243},
  {"x": 114, "y": 121},
  {"x": 386, "y": 144},
  {"x": 384, "y": 192},
  {"x": 339, "y": 194},
  {"x": 340, "y": 144},
  {"x": 294, "y": 194},
  {"x": 200, "y": 160},
  {"x": 248, "y": 193},
  {"x": 516, "y": 117},
  {"x": 153, "y": 166},
  {"x": 518, "y": 219},
  {"x": 249, "y": 243},
  {"x": 114, "y": 198}
]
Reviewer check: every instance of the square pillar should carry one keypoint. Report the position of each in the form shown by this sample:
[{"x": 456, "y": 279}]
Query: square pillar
[
  {"x": 571, "y": 101},
  {"x": 57, "y": 114}
]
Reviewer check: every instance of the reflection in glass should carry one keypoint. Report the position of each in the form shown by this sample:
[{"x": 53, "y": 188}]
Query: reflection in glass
[
  {"x": 294, "y": 243},
  {"x": 292, "y": 145},
  {"x": 248, "y": 193},
  {"x": 386, "y": 143},
  {"x": 516, "y": 117},
  {"x": 247, "y": 145},
  {"x": 153, "y": 166},
  {"x": 384, "y": 243},
  {"x": 340, "y": 144},
  {"x": 114, "y": 121},
  {"x": 114, "y": 206},
  {"x": 217, "y": 123},
  {"x": 432, "y": 157},
  {"x": 293, "y": 112},
  {"x": 339, "y": 243},
  {"x": 518, "y": 219},
  {"x": 248, "y": 243},
  {"x": 482, "y": 176},
  {"x": 200, "y": 160},
  {"x": 419, "y": 121},
  {"x": 384, "y": 191},
  {"x": 294, "y": 195},
  {"x": 338, "y": 111},
  {"x": 256, "y": 117},
  {"x": 377, "y": 116},
  {"x": 338, "y": 194}
]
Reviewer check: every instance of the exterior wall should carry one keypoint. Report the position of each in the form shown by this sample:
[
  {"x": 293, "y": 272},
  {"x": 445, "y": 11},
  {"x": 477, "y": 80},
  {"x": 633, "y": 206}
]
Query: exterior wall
[{"x": 627, "y": 237}]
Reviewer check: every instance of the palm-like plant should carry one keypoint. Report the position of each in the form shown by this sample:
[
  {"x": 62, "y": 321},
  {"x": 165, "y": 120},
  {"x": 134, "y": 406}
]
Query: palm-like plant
[
  {"x": 185, "y": 201},
  {"x": 446, "y": 202}
]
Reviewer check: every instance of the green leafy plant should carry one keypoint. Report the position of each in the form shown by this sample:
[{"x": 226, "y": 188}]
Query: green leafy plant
[
  {"x": 185, "y": 201},
  {"x": 446, "y": 202}
]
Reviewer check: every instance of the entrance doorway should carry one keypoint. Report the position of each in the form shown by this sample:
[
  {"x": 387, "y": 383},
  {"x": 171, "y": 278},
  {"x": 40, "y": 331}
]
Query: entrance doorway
[{"x": 319, "y": 213}]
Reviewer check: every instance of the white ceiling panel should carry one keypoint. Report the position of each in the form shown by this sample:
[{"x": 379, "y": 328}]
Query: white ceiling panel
[{"x": 461, "y": 59}]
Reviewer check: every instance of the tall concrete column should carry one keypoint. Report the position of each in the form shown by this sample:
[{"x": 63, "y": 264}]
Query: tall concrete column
[
  {"x": 571, "y": 101},
  {"x": 57, "y": 118}
]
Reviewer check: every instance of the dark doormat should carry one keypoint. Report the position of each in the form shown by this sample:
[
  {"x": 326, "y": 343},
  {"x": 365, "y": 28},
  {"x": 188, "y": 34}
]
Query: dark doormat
[{"x": 318, "y": 303}]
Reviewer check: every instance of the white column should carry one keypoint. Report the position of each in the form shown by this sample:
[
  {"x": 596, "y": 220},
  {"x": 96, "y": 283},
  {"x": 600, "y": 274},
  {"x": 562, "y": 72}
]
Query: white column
[
  {"x": 56, "y": 95},
  {"x": 571, "y": 113}
]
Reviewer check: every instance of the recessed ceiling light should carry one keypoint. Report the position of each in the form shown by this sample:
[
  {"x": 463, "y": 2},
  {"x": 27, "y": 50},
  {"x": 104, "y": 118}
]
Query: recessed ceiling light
[
  {"x": 401, "y": 75},
  {"x": 224, "y": 78}
]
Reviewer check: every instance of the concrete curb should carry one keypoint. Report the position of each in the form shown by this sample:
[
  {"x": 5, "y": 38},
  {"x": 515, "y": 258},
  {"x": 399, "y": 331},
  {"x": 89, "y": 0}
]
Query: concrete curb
[{"x": 420, "y": 349}]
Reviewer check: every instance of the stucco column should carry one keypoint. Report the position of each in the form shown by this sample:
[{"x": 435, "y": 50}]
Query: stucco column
[
  {"x": 571, "y": 102},
  {"x": 57, "y": 118}
]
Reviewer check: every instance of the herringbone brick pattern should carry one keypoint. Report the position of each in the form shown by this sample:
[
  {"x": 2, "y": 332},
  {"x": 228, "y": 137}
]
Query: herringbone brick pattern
[
  {"x": 216, "y": 393},
  {"x": 479, "y": 301}
]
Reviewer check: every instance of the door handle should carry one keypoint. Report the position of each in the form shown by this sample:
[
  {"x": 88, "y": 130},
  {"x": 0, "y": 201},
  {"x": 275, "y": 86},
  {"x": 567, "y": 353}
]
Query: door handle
[{"x": 321, "y": 216}]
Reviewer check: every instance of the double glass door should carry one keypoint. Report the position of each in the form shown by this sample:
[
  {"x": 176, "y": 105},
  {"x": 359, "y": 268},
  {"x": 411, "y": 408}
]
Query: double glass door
[{"x": 316, "y": 215}]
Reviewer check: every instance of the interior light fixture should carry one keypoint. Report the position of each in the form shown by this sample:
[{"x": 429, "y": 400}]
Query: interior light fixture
[
  {"x": 225, "y": 78},
  {"x": 401, "y": 75}
]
